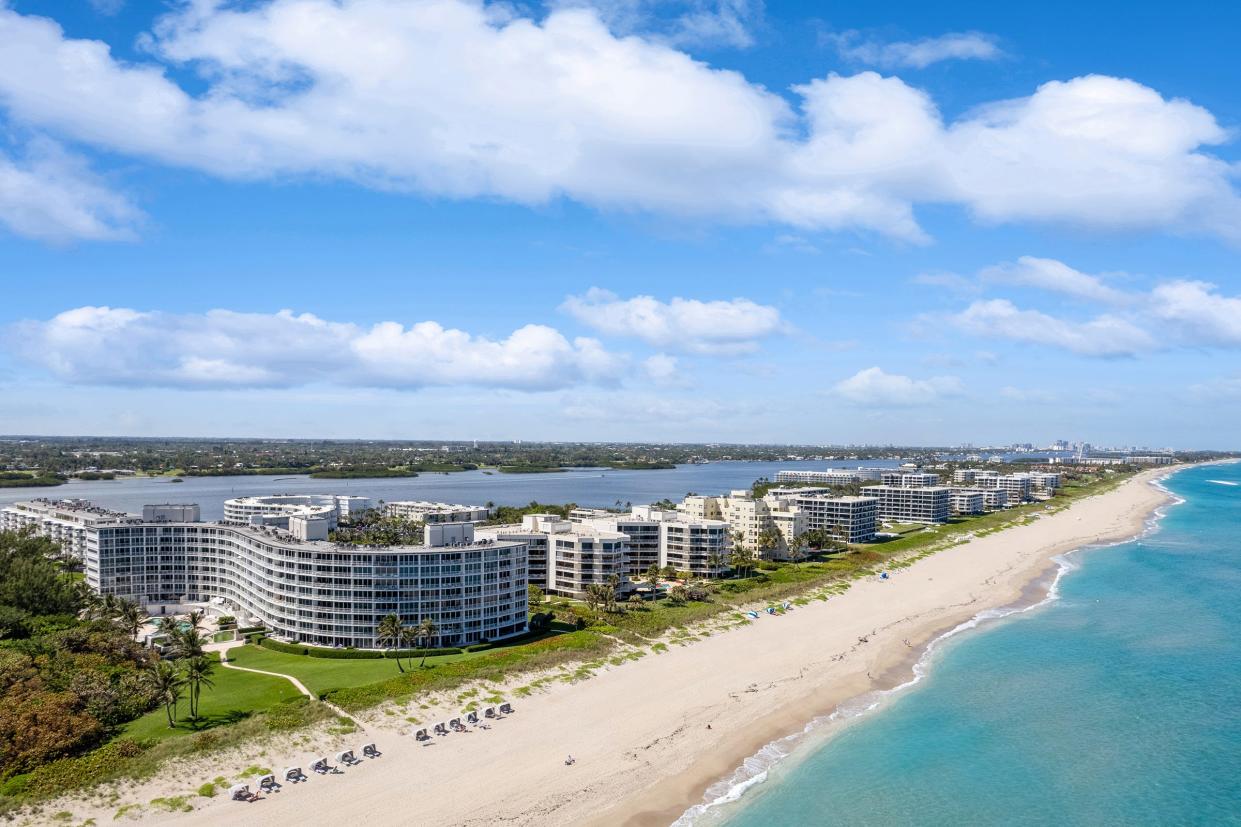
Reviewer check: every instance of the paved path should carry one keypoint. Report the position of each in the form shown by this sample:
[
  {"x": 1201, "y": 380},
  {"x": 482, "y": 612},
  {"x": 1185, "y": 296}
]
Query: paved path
[{"x": 223, "y": 648}]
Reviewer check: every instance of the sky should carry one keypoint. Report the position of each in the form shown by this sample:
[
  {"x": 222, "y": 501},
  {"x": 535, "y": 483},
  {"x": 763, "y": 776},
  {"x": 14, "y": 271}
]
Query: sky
[{"x": 825, "y": 223}]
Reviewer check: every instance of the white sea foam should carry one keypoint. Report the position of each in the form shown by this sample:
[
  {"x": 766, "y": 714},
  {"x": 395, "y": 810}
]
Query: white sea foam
[
  {"x": 1224, "y": 482},
  {"x": 756, "y": 769}
]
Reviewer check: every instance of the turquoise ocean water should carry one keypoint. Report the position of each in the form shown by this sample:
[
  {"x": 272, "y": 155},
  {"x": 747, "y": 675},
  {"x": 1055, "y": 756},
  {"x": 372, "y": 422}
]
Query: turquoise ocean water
[{"x": 1117, "y": 702}]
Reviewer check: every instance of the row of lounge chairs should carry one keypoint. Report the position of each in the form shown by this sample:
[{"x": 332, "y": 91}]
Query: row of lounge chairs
[
  {"x": 471, "y": 718},
  {"x": 294, "y": 775}
]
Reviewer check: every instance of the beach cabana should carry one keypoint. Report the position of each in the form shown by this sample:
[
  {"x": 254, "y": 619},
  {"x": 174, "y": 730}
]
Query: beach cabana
[
  {"x": 267, "y": 783},
  {"x": 320, "y": 766},
  {"x": 490, "y": 712},
  {"x": 421, "y": 735},
  {"x": 346, "y": 757},
  {"x": 240, "y": 792},
  {"x": 506, "y": 708},
  {"x": 294, "y": 774},
  {"x": 471, "y": 718},
  {"x": 371, "y": 751},
  {"x": 441, "y": 729}
]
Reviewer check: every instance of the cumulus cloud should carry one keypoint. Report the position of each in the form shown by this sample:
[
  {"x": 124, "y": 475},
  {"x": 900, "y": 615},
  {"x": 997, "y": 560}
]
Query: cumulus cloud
[
  {"x": 223, "y": 348},
  {"x": 1198, "y": 312},
  {"x": 710, "y": 327},
  {"x": 53, "y": 196},
  {"x": 918, "y": 54},
  {"x": 873, "y": 387},
  {"x": 679, "y": 22},
  {"x": 1104, "y": 335},
  {"x": 461, "y": 99},
  {"x": 1049, "y": 274}
]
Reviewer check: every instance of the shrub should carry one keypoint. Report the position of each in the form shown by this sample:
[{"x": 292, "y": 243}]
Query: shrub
[
  {"x": 207, "y": 790},
  {"x": 287, "y": 648},
  {"x": 70, "y": 773}
]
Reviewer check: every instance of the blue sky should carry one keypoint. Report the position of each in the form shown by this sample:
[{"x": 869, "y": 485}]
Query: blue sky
[{"x": 621, "y": 220}]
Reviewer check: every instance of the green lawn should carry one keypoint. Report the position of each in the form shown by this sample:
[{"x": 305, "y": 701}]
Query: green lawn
[
  {"x": 235, "y": 696},
  {"x": 322, "y": 675}
]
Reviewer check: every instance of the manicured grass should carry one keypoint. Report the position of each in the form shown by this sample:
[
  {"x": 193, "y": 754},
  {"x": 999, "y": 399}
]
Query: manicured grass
[
  {"x": 235, "y": 696},
  {"x": 321, "y": 675}
]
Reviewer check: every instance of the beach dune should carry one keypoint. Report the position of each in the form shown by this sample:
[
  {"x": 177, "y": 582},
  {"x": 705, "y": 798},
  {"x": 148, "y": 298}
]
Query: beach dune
[{"x": 649, "y": 737}]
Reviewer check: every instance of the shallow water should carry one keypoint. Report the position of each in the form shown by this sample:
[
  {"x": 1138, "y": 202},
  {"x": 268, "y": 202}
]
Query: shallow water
[{"x": 1119, "y": 702}]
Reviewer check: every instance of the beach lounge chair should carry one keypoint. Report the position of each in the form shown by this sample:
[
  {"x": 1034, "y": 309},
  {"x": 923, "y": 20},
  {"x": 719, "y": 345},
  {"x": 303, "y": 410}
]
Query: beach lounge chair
[
  {"x": 771, "y": 610},
  {"x": 422, "y": 735},
  {"x": 752, "y": 614},
  {"x": 506, "y": 708},
  {"x": 346, "y": 757},
  {"x": 320, "y": 766},
  {"x": 786, "y": 605},
  {"x": 267, "y": 783},
  {"x": 241, "y": 792},
  {"x": 490, "y": 712},
  {"x": 371, "y": 751},
  {"x": 471, "y": 718},
  {"x": 294, "y": 774},
  {"x": 441, "y": 729}
]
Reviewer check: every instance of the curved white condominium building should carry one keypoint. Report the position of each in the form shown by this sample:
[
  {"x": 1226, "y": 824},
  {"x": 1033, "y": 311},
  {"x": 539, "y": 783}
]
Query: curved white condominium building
[
  {"x": 312, "y": 591},
  {"x": 276, "y": 507}
]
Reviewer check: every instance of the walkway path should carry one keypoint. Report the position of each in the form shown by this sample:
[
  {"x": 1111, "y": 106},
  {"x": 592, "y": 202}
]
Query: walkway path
[{"x": 223, "y": 649}]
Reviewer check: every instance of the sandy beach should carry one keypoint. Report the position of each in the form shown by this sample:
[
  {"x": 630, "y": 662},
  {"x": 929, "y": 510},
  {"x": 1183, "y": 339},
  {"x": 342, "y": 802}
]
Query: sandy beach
[{"x": 639, "y": 731}]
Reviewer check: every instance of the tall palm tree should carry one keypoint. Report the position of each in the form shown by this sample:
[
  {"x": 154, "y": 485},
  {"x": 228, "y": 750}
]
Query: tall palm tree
[
  {"x": 168, "y": 682},
  {"x": 197, "y": 674},
  {"x": 424, "y": 631},
  {"x": 187, "y": 643},
  {"x": 715, "y": 562},
  {"x": 390, "y": 633},
  {"x": 196, "y": 618},
  {"x": 130, "y": 616}
]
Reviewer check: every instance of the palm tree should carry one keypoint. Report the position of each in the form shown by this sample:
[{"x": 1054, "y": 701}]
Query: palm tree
[
  {"x": 653, "y": 575},
  {"x": 197, "y": 675},
  {"x": 715, "y": 562},
  {"x": 187, "y": 643},
  {"x": 130, "y": 616},
  {"x": 424, "y": 631},
  {"x": 196, "y": 618},
  {"x": 390, "y": 633},
  {"x": 741, "y": 559},
  {"x": 797, "y": 550},
  {"x": 167, "y": 681}
]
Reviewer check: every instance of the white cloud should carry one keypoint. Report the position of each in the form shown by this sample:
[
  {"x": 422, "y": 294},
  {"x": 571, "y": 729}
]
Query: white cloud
[
  {"x": 1221, "y": 389},
  {"x": 680, "y": 22},
  {"x": 663, "y": 369},
  {"x": 1049, "y": 274},
  {"x": 710, "y": 327},
  {"x": 873, "y": 387},
  {"x": 953, "y": 282},
  {"x": 51, "y": 195},
  {"x": 1102, "y": 336},
  {"x": 918, "y": 54},
  {"x": 1198, "y": 312},
  {"x": 223, "y": 348},
  {"x": 460, "y": 99}
]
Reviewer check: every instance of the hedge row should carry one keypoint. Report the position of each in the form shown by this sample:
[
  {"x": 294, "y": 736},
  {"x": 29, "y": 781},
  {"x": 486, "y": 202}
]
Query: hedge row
[{"x": 358, "y": 654}]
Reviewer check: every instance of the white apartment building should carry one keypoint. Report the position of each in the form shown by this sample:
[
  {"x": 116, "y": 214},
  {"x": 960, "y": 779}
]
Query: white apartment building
[
  {"x": 993, "y": 499},
  {"x": 851, "y": 519},
  {"x": 967, "y": 501},
  {"x": 828, "y": 477},
  {"x": 1045, "y": 481},
  {"x": 312, "y": 591},
  {"x": 928, "y": 504},
  {"x": 700, "y": 547},
  {"x": 870, "y": 474},
  {"x": 566, "y": 557},
  {"x": 420, "y": 511},
  {"x": 964, "y": 476},
  {"x": 907, "y": 479},
  {"x": 66, "y": 522},
  {"x": 274, "y": 510}
]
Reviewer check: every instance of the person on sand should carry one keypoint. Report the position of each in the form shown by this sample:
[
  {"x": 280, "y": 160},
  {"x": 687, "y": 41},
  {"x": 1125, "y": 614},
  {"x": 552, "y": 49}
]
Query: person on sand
[
  {"x": 708, "y": 726},
  {"x": 570, "y": 761}
]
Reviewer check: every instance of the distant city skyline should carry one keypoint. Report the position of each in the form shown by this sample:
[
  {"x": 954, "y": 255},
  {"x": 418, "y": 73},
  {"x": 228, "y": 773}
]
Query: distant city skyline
[{"x": 586, "y": 221}]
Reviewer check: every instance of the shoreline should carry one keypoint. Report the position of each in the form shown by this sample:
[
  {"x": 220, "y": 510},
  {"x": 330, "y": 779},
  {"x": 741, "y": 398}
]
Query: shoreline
[
  {"x": 638, "y": 729},
  {"x": 1029, "y": 589}
]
